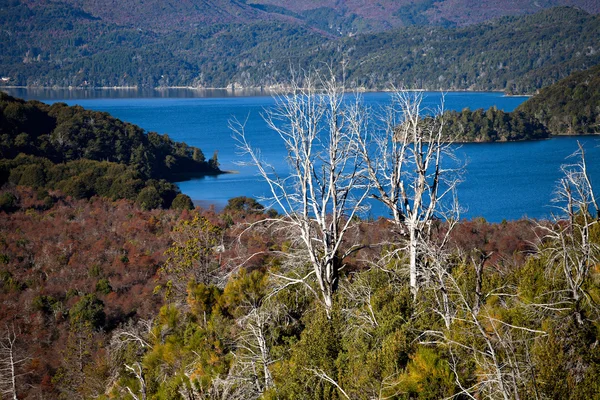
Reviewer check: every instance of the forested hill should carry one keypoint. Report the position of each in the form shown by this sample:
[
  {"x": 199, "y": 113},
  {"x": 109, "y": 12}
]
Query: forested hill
[
  {"x": 86, "y": 153},
  {"x": 335, "y": 17},
  {"x": 59, "y": 44},
  {"x": 568, "y": 107},
  {"x": 517, "y": 55},
  {"x": 492, "y": 125},
  {"x": 571, "y": 106}
]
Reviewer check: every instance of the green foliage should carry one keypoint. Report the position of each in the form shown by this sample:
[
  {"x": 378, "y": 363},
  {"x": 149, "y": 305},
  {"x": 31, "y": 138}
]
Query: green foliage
[
  {"x": 87, "y": 178},
  {"x": 103, "y": 286},
  {"x": 191, "y": 350},
  {"x": 570, "y": 106},
  {"x": 214, "y": 161},
  {"x": 61, "y": 134},
  {"x": 86, "y": 153},
  {"x": 317, "y": 350},
  {"x": 201, "y": 299},
  {"x": 376, "y": 342},
  {"x": 427, "y": 376},
  {"x": 8, "y": 202},
  {"x": 45, "y": 304},
  {"x": 8, "y": 282},
  {"x": 567, "y": 360},
  {"x": 32, "y": 175},
  {"x": 80, "y": 372},
  {"x": 148, "y": 198},
  {"x": 95, "y": 271},
  {"x": 246, "y": 291},
  {"x": 88, "y": 310},
  {"x": 192, "y": 255},
  {"x": 244, "y": 204},
  {"x": 377, "y": 338},
  {"x": 517, "y": 54},
  {"x": 182, "y": 202},
  {"x": 492, "y": 125}
]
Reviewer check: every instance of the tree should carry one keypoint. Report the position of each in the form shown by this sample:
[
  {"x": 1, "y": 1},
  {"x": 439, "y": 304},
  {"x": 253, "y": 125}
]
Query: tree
[
  {"x": 326, "y": 185},
  {"x": 244, "y": 204},
  {"x": 88, "y": 310},
  {"x": 193, "y": 256},
  {"x": 182, "y": 202},
  {"x": 149, "y": 198},
  {"x": 214, "y": 161},
  {"x": 482, "y": 329},
  {"x": 10, "y": 364},
  {"x": 404, "y": 162},
  {"x": 568, "y": 243}
]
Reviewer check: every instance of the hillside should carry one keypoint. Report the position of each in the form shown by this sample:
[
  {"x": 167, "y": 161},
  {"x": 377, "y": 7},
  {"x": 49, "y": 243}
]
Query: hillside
[
  {"x": 571, "y": 106},
  {"x": 78, "y": 276},
  {"x": 86, "y": 153},
  {"x": 339, "y": 18},
  {"x": 104, "y": 300},
  {"x": 59, "y": 45},
  {"x": 517, "y": 55}
]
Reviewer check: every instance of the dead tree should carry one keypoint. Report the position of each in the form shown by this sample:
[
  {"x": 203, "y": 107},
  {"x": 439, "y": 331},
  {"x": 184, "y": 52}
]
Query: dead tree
[
  {"x": 476, "y": 334},
  {"x": 137, "y": 337},
  {"x": 137, "y": 371},
  {"x": 11, "y": 364},
  {"x": 567, "y": 243},
  {"x": 404, "y": 160},
  {"x": 325, "y": 188}
]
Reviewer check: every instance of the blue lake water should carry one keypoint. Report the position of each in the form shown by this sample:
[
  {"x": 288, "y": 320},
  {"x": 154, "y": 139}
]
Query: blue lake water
[{"x": 502, "y": 180}]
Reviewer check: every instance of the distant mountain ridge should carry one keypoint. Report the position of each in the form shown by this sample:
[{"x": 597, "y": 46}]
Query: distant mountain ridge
[
  {"x": 56, "y": 44},
  {"x": 386, "y": 14},
  {"x": 334, "y": 16}
]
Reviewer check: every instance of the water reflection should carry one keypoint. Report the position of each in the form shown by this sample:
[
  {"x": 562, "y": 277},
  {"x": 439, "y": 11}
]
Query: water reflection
[{"x": 127, "y": 93}]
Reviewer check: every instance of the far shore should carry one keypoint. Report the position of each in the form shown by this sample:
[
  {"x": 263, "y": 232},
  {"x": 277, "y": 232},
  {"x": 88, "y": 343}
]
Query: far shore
[{"x": 268, "y": 90}]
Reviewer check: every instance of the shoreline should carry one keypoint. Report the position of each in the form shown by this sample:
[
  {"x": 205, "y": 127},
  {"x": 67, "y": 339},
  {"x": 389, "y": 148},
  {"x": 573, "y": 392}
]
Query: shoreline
[{"x": 270, "y": 90}]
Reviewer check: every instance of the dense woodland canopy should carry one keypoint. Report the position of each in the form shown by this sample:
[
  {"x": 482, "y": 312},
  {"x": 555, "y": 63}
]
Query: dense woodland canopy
[
  {"x": 58, "y": 44},
  {"x": 492, "y": 125},
  {"x": 570, "y": 106},
  {"x": 329, "y": 16},
  {"x": 85, "y": 153}
]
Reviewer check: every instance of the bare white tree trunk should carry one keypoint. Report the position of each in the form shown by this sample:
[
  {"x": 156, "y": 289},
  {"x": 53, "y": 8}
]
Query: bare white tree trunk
[
  {"x": 479, "y": 335},
  {"x": 135, "y": 336},
  {"x": 10, "y": 364},
  {"x": 138, "y": 372},
  {"x": 404, "y": 162},
  {"x": 567, "y": 242},
  {"x": 325, "y": 188}
]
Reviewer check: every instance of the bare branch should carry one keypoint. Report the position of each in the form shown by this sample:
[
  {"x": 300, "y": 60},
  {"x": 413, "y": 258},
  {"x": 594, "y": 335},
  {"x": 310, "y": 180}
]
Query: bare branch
[{"x": 326, "y": 186}]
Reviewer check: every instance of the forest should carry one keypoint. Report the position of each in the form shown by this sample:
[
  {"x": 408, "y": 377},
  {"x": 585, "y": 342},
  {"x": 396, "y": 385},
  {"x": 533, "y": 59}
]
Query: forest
[
  {"x": 570, "y": 106},
  {"x": 106, "y": 297},
  {"x": 59, "y": 45},
  {"x": 86, "y": 153},
  {"x": 492, "y": 125}
]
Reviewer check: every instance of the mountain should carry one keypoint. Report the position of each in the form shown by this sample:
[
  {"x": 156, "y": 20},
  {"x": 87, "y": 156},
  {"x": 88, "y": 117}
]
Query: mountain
[
  {"x": 571, "y": 106},
  {"x": 170, "y": 15},
  {"x": 334, "y": 16},
  {"x": 52, "y": 43}
]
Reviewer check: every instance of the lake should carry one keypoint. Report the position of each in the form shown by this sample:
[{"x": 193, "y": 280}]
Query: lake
[{"x": 502, "y": 180}]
